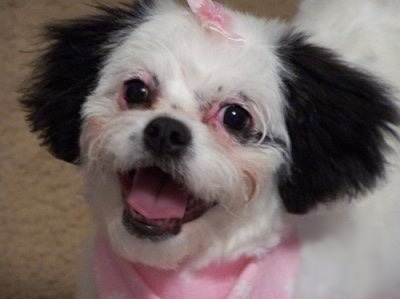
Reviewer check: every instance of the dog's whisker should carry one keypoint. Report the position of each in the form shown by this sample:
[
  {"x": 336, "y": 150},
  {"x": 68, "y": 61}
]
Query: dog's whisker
[{"x": 230, "y": 211}]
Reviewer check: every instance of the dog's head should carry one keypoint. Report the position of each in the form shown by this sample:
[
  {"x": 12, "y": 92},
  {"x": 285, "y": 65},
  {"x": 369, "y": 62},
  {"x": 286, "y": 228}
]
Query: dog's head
[{"x": 195, "y": 144}]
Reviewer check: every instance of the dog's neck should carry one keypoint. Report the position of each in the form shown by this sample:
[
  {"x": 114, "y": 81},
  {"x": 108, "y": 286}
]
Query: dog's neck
[{"x": 269, "y": 277}]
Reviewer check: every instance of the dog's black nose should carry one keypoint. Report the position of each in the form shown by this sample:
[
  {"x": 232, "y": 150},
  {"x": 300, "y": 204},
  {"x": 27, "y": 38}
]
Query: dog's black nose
[{"x": 167, "y": 136}]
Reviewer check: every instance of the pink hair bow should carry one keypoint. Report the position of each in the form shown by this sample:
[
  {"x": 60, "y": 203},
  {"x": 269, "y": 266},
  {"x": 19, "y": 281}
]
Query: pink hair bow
[{"x": 214, "y": 17}]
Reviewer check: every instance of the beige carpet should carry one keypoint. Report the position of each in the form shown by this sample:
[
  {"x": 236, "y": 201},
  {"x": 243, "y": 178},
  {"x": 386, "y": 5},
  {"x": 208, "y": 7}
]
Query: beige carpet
[{"x": 43, "y": 219}]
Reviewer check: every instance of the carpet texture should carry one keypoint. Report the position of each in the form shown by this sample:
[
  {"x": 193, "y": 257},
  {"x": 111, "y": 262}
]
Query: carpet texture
[{"x": 43, "y": 218}]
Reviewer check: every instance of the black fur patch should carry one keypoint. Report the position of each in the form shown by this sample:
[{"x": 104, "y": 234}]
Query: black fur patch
[
  {"x": 68, "y": 70},
  {"x": 337, "y": 118}
]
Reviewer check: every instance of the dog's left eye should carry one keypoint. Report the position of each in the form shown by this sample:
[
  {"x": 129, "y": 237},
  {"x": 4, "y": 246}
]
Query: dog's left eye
[
  {"x": 136, "y": 92},
  {"x": 236, "y": 117}
]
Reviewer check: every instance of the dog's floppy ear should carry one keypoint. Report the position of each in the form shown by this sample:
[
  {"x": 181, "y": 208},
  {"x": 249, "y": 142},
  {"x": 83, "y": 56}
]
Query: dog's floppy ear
[
  {"x": 337, "y": 118},
  {"x": 68, "y": 70}
]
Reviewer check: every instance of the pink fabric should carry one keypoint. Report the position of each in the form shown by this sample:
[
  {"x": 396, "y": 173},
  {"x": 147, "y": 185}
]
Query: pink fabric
[
  {"x": 269, "y": 277},
  {"x": 214, "y": 17}
]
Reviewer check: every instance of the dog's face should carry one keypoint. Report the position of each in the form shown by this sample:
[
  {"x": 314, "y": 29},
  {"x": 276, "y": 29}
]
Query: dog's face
[
  {"x": 182, "y": 138},
  {"x": 195, "y": 146}
]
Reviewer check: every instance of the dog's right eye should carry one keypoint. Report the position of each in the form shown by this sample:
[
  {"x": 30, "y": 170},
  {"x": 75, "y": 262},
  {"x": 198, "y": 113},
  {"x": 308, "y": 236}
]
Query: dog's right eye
[{"x": 136, "y": 92}]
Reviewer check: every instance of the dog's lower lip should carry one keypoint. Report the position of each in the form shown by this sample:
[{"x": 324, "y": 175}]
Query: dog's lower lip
[
  {"x": 143, "y": 227},
  {"x": 138, "y": 225}
]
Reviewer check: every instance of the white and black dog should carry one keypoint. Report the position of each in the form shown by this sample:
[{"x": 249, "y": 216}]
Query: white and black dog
[{"x": 228, "y": 156}]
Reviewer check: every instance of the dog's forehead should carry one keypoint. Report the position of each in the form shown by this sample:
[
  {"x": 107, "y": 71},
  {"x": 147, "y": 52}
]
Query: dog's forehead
[{"x": 176, "y": 48}]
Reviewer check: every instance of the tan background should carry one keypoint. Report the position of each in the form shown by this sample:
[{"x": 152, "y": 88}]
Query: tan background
[{"x": 43, "y": 219}]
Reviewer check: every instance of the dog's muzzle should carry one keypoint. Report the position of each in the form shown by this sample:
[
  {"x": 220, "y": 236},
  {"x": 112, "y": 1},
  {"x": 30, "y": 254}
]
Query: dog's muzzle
[{"x": 157, "y": 204}]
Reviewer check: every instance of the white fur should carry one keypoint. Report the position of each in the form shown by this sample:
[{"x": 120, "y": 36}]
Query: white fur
[
  {"x": 183, "y": 67},
  {"x": 348, "y": 250}
]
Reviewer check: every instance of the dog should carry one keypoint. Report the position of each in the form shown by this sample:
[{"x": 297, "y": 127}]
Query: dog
[{"x": 230, "y": 156}]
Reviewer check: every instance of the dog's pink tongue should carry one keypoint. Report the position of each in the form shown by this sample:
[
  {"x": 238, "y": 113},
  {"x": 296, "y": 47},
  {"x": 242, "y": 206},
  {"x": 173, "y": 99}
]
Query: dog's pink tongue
[{"x": 156, "y": 196}]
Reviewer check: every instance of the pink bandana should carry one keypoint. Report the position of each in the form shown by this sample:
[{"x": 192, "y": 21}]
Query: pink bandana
[{"x": 269, "y": 277}]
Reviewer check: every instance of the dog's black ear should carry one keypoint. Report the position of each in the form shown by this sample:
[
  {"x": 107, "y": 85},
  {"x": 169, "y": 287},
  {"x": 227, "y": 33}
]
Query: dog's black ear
[
  {"x": 337, "y": 118},
  {"x": 67, "y": 71}
]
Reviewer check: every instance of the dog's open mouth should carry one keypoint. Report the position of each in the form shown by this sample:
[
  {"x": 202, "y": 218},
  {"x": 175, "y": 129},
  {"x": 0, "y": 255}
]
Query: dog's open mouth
[{"x": 156, "y": 205}]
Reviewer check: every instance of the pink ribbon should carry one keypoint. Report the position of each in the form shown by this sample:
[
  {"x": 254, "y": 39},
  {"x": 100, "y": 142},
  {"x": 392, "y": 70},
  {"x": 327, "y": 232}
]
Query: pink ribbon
[{"x": 214, "y": 17}]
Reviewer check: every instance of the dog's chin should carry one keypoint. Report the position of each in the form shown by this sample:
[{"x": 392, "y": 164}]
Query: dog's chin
[
  {"x": 156, "y": 206},
  {"x": 157, "y": 221}
]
